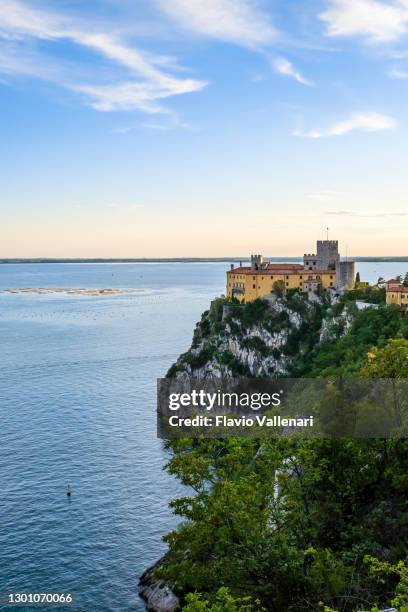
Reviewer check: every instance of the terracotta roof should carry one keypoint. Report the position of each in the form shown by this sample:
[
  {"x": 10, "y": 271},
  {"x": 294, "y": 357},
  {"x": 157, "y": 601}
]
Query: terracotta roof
[
  {"x": 397, "y": 288},
  {"x": 283, "y": 265},
  {"x": 271, "y": 269},
  {"x": 393, "y": 281}
]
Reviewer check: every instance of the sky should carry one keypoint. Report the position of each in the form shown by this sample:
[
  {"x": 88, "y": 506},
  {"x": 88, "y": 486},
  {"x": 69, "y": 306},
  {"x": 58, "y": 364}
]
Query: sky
[{"x": 176, "y": 128}]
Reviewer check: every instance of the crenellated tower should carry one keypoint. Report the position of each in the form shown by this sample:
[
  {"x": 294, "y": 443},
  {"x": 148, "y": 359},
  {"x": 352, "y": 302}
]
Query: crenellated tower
[{"x": 327, "y": 254}]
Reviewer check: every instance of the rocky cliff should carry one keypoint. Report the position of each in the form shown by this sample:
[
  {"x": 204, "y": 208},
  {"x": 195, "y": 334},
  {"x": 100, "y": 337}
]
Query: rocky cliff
[{"x": 261, "y": 339}]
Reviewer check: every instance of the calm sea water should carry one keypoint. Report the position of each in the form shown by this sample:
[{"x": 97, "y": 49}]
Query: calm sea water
[{"x": 77, "y": 402}]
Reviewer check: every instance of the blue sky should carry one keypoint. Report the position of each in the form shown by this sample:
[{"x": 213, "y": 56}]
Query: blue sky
[{"x": 202, "y": 127}]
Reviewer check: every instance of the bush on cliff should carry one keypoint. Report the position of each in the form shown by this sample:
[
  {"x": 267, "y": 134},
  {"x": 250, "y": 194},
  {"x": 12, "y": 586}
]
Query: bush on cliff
[
  {"x": 347, "y": 354},
  {"x": 224, "y": 602}
]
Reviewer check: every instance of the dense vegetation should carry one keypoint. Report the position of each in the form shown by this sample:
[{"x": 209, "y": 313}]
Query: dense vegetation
[{"x": 335, "y": 537}]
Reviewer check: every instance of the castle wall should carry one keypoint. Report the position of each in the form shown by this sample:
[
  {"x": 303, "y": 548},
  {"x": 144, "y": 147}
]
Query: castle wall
[
  {"x": 345, "y": 275},
  {"x": 248, "y": 287}
]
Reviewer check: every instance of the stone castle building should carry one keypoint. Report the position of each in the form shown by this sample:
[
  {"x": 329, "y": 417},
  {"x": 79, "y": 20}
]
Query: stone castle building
[
  {"x": 322, "y": 270},
  {"x": 397, "y": 294}
]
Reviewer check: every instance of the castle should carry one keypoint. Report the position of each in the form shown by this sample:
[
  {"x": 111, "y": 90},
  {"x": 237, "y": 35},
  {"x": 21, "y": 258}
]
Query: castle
[
  {"x": 397, "y": 293},
  {"x": 322, "y": 270}
]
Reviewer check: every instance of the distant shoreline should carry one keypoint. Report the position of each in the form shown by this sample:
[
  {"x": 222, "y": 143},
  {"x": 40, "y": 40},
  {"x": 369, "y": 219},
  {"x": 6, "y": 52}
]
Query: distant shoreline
[{"x": 43, "y": 260}]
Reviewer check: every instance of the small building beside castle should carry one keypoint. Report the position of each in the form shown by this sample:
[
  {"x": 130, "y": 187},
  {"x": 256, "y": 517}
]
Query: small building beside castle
[
  {"x": 321, "y": 270},
  {"x": 397, "y": 294}
]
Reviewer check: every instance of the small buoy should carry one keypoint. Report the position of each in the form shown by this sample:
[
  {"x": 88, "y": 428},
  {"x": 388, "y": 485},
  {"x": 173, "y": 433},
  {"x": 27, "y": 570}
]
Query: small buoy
[{"x": 69, "y": 489}]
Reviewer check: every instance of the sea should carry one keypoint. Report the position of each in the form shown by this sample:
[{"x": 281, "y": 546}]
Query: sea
[{"x": 77, "y": 404}]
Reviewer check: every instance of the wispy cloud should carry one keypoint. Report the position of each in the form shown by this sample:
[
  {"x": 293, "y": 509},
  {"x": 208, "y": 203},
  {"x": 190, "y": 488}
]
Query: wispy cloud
[
  {"x": 351, "y": 213},
  {"x": 169, "y": 122},
  {"x": 285, "y": 67},
  {"x": 236, "y": 21},
  {"x": 167, "y": 127},
  {"x": 131, "y": 95},
  {"x": 398, "y": 73},
  {"x": 323, "y": 196},
  {"x": 124, "y": 207},
  {"x": 364, "y": 122},
  {"x": 17, "y": 60},
  {"x": 375, "y": 20},
  {"x": 148, "y": 82},
  {"x": 121, "y": 130}
]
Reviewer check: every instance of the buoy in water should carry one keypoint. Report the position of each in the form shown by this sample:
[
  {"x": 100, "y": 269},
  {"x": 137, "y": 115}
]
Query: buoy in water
[{"x": 69, "y": 490}]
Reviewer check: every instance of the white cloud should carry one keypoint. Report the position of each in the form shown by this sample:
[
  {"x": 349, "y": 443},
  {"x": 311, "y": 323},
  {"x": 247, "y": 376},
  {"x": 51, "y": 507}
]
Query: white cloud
[
  {"x": 365, "y": 122},
  {"x": 15, "y": 60},
  {"x": 285, "y": 67},
  {"x": 130, "y": 95},
  {"x": 122, "y": 130},
  {"x": 19, "y": 19},
  {"x": 148, "y": 82},
  {"x": 236, "y": 21},
  {"x": 171, "y": 122},
  {"x": 375, "y": 20},
  {"x": 398, "y": 73}
]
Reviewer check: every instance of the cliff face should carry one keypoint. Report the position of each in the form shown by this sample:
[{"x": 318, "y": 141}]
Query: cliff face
[
  {"x": 156, "y": 593},
  {"x": 260, "y": 339}
]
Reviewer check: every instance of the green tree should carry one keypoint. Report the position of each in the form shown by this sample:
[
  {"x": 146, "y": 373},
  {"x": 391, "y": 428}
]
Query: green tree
[
  {"x": 381, "y": 570},
  {"x": 278, "y": 288},
  {"x": 224, "y": 602},
  {"x": 358, "y": 277},
  {"x": 391, "y": 361},
  {"x": 338, "y": 501},
  {"x": 406, "y": 280}
]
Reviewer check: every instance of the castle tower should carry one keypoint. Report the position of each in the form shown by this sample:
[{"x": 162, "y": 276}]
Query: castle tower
[
  {"x": 345, "y": 275},
  {"x": 256, "y": 262},
  {"x": 310, "y": 261},
  {"x": 327, "y": 254}
]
